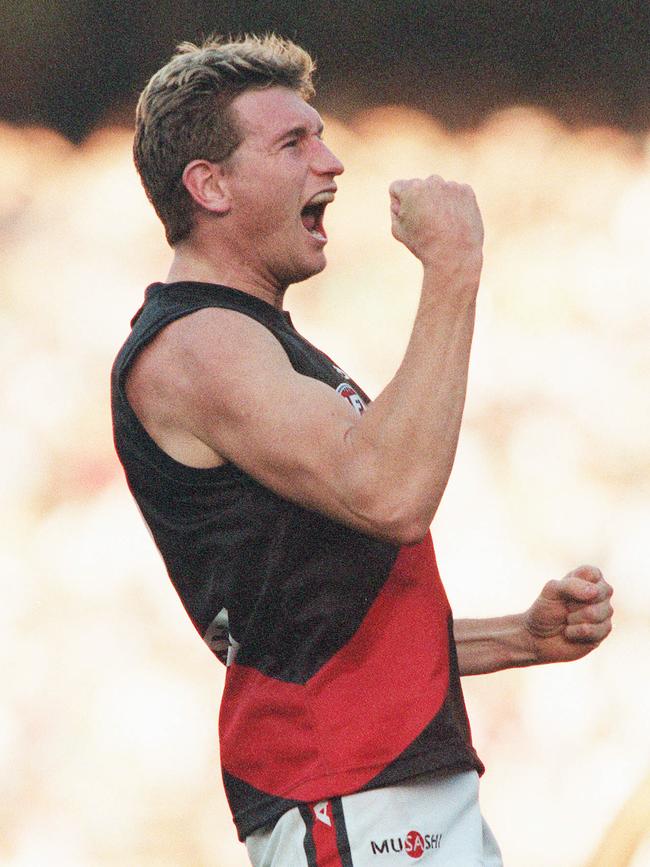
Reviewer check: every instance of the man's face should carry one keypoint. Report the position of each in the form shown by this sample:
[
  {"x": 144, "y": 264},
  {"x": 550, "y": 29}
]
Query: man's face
[{"x": 280, "y": 179}]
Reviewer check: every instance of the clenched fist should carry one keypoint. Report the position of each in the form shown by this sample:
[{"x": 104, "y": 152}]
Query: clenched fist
[
  {"x": 438, "y": 221},
  {"x": 570, "y": 617}
]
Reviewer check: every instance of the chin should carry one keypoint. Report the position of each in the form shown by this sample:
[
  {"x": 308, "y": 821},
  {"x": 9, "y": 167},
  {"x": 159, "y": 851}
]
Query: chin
[{"x": 305, "y": 270}]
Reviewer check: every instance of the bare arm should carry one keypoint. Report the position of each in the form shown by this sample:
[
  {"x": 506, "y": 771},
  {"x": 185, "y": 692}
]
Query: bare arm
[
  {"x": 413, "y": 426},
  {"x": 566, "y": 622},
  {"x": 217, "y": 386}
]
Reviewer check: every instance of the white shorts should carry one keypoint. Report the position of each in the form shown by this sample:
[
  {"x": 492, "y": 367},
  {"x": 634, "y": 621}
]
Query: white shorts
[{"x": 428, "y": 820}]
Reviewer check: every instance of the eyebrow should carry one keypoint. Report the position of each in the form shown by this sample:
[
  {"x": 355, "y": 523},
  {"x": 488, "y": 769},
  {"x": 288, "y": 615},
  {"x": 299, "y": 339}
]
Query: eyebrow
[{"x": 299, "y": 132}]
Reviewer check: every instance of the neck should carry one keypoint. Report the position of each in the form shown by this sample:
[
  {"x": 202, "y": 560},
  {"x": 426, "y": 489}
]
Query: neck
[{"x": 212, "y": 265}]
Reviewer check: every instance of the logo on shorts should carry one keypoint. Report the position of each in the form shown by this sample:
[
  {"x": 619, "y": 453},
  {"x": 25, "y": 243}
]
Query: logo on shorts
[
  {"x": 412, "y": 844},
  {"x": 320, "y": 812},
  {"x": 346, "y": 391}
]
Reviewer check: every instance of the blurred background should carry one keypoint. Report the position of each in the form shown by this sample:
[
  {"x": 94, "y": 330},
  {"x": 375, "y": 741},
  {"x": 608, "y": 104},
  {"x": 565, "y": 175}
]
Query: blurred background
[{"x": 108, "y": 747}]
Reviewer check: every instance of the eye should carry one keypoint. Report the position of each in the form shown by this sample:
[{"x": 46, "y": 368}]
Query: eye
[{"x": 292, "y": 143}]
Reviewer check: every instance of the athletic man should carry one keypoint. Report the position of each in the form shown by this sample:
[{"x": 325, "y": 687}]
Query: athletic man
[{"x": 292, "y": 514}]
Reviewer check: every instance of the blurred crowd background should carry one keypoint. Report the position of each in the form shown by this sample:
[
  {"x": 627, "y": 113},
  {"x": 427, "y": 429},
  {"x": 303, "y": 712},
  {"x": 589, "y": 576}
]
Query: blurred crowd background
[{"x": 108, "y": 724}]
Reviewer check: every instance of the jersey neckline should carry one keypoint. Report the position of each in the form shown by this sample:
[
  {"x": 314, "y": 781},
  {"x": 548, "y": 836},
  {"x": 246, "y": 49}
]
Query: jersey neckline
[{"x": 252, "y": 301}]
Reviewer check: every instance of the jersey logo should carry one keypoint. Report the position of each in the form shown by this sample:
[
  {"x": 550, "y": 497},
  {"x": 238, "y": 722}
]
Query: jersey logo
[
  {"x": 346, "y": 391},
  {"x": 320, "y": 811}
]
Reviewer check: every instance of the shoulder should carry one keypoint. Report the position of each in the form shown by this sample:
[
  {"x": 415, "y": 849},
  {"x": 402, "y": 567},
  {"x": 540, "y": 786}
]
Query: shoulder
[
  {"x": 221, "y": 332},
  {"x": 209, "y": 340},
  {"x": 206, "y": 365},
  {"x": 211, "y": 363}
]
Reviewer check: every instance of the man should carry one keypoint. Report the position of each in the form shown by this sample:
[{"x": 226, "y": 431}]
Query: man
[{"x": 292, "y": 514}]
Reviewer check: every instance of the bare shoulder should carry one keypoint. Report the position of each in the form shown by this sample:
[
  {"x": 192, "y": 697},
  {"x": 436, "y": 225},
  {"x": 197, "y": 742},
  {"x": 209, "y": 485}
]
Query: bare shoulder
[
  {"x": 213, "y": 340},
  {"x": 214, "y": 334},
  {"x": 191, "y": 367}
]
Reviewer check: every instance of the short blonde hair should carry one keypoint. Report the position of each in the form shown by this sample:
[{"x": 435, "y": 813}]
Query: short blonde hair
[{"x": 184, "y": 113}]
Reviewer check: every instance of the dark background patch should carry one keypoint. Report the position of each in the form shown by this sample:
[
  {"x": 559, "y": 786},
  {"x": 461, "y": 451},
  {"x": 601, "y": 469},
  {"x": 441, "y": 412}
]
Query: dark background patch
[{"x": 72, "y": 65}]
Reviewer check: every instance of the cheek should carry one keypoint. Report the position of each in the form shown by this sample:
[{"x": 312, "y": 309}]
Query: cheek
[{"x": 270, "y": 214}]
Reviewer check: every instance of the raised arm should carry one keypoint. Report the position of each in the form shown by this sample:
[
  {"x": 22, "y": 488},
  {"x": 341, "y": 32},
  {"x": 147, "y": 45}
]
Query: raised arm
[
  {"x": 567, "y": 621},
  {"x": 413, "y": 426},
  {"x": 216, "y": 386}
]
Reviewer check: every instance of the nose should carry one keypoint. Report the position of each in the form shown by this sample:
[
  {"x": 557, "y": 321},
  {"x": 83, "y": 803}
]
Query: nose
[{"x": 325, "y": 162}]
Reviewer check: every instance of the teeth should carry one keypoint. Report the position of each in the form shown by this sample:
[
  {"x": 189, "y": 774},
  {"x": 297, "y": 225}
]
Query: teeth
[{"x": 323, "y": 198}]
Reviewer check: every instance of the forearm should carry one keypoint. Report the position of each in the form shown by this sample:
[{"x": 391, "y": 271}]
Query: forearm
[
  {"x": 411, "y": 430},
  {"x": 493, "y": 644}
]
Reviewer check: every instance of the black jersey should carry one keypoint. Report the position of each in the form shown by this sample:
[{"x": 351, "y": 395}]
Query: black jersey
[{"x": 342, "y": 671}]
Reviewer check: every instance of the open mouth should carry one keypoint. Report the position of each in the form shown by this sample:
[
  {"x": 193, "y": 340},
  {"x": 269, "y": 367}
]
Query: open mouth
[{"x": 311, "y": 215}]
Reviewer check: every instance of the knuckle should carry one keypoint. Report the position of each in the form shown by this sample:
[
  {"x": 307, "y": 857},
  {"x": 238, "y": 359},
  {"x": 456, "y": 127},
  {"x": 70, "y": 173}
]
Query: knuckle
[
  {"x": 602, "y": 615},
  {"x": 603, "y": 630}
]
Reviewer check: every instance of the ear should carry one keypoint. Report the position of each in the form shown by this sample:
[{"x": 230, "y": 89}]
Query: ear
[{"x": 206, "y": 183}]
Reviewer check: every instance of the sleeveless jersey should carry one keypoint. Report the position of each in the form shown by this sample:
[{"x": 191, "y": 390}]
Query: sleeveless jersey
[{"x": 342, "y": 671}]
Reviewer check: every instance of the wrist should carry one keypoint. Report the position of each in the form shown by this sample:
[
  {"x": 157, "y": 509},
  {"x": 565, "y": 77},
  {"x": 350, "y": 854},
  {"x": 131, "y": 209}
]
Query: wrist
[
  {"x": 467, "y": 261},
  {"x": 527, "y": 651},
  {"x": 458, "y": 280}
]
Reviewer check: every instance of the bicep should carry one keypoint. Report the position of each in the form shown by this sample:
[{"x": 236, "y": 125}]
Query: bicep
[{"x": 287, "y": 430}]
